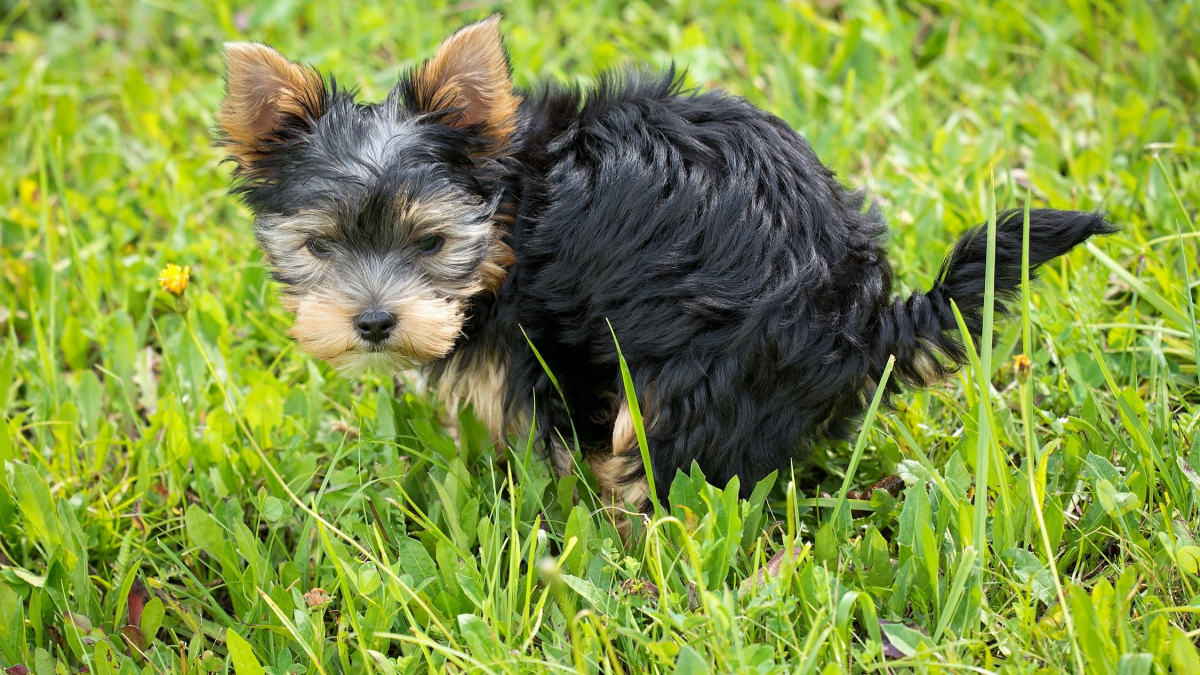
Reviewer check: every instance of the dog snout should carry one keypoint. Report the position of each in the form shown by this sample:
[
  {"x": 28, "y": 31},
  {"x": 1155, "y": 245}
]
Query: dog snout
[{"x": 375, "y": 325}]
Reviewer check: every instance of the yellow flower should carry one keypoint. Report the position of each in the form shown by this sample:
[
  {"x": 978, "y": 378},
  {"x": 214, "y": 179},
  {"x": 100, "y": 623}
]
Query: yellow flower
[
  {"x": 1021, "y": 366},
  {"x": 174, "y": 279}
]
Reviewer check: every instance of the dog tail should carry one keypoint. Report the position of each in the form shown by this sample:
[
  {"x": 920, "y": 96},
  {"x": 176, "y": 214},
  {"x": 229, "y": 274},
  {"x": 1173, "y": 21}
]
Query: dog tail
[{"x": 921, "y": 330}]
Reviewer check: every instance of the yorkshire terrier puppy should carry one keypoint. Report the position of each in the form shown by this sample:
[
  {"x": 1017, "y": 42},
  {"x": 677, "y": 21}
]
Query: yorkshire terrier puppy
[{"x": 458, "y": 221}]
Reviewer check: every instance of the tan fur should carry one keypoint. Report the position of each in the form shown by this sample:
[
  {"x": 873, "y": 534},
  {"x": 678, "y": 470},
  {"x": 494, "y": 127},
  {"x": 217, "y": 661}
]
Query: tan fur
[
  {"x": 494, "y": 268},
  {"x": 427, "y": 326},
  {"x": 425, "y": 218},
  {"x": 428, "y": 323},
  {"x": 616, "y": 492},
  {"x": 324, "y": 325},
  {"x": 927, "y": 367},
  {"x": 560, "y": 458},
  {"x": 429, "y": 318},
  {"x": 624, "y": 435},
  {"x": 261, "y": 85},
  {"x": 285, "y": 247},
  {"x": 619, "y": 497},
  {"x": 470, "y": 71},
  {"x": 433, "y": 218},
  {"x": 610, "y": 472},
  {"x": 481, "y": 385}
]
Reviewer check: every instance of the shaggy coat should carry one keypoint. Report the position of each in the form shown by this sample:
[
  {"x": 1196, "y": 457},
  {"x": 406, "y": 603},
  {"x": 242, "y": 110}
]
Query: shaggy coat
[{"x": 459, "y": 225}]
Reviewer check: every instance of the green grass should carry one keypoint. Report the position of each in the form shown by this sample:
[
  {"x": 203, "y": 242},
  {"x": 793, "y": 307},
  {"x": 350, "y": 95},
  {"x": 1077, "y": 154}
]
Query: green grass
[{"x": 202, "y": 458}]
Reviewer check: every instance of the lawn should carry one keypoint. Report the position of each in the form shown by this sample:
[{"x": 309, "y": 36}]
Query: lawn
[{"x": 184, "y": 492}]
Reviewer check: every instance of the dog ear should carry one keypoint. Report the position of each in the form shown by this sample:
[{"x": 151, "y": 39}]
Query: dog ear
[
  {"x": 265, "y": 96},
  {"x": 468, "y": 77}
]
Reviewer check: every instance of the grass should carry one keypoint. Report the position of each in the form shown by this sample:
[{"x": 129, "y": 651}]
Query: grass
[{"x": 186, "y": 493}]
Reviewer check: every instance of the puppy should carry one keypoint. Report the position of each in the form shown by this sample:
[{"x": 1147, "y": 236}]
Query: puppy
[{"x": 460, "y": 224}]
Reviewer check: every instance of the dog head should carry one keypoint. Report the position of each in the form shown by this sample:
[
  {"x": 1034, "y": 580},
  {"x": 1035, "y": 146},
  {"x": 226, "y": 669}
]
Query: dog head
[{"x": 378, "y": 220}]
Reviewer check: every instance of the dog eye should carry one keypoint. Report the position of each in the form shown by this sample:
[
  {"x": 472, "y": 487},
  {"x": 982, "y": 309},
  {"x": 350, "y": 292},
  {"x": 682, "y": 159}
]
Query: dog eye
[
  {"x": 429, "y": 244},
  {"x": 320, "y": 247}
]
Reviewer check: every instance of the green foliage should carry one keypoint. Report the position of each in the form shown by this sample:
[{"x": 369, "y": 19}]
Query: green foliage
[{"x": 190, "y": 494}]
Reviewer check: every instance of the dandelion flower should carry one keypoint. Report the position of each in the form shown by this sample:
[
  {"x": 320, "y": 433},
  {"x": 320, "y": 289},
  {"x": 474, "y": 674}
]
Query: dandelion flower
[
  {"x": 174, "y": 279},
  {"x": 1022, "y": 365}
]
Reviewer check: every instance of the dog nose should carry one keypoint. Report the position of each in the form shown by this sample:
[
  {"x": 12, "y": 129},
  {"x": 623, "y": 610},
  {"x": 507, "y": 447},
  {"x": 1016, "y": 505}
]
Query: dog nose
[{"x": 374, "y": 326}]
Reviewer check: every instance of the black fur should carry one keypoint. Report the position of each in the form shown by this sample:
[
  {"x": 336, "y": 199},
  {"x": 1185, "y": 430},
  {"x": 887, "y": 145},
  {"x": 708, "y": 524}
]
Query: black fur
[{"x": 750, "y": 291}]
